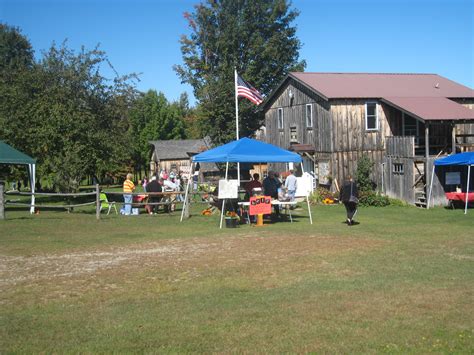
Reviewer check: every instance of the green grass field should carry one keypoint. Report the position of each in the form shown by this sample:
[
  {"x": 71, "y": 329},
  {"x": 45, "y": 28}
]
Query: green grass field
[{"x": 400, "y": 281}]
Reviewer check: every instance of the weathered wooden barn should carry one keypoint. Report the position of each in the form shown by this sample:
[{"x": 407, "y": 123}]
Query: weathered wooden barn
[
  {"x": 401, "y": 121},
  {"x": 176, "y": 154}
]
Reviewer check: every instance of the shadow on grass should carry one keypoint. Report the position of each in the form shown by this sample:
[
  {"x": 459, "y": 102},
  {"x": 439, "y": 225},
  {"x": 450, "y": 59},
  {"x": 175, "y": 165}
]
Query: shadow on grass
[{"x": 354, "y": 223}]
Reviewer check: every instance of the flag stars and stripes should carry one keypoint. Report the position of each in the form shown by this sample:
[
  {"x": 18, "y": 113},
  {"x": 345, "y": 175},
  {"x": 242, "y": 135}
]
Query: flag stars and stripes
[{"x": 246, "y": 90}]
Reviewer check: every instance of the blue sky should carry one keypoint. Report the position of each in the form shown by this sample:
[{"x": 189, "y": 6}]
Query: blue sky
[{"x": 142, "y": 36}]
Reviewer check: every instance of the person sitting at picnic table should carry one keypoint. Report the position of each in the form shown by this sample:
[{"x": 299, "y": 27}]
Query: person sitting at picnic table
[
  {"x": 153, "y": 186},
  {"x": 169, "y": 186},
  {"x": 128, "y": 187},
  {"x": 252, "y": 184},
  {"x": 270, "y": 188}
]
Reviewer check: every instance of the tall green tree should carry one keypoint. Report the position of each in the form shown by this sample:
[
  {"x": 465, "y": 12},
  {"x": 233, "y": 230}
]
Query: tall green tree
[
  {"x": 81, "y": 118},
  {"x": 16, "y": 51},
  {"x": 17, "y": 68},
  {"x": 62, "y": 111},
  {"x": 153, "y": 117},
  {"x": 254, "y": 36}
]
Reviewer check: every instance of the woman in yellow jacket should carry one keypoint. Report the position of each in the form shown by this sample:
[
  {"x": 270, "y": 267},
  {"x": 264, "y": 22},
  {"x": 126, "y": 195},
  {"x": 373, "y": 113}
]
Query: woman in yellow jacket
[{"x": 128, "y": 187}]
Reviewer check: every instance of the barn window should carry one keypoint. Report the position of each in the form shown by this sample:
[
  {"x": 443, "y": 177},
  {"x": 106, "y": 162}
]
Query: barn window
[
  {"x": 371, "y": 117},
  {"x": 280, "y": 118},
  {"x": 309, "y": 115},
  {"x": 293, "y": 134},
  {"x": 398, "y": 168}
]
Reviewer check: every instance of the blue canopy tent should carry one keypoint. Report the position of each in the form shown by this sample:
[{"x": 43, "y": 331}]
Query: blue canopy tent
[
  {"x": 245, "y": 150},
  {"x": 466, "y": 159}
]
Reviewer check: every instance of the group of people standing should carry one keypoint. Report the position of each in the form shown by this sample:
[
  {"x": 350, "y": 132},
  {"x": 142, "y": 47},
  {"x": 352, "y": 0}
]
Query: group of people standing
[{"x": 273, "y": 186}]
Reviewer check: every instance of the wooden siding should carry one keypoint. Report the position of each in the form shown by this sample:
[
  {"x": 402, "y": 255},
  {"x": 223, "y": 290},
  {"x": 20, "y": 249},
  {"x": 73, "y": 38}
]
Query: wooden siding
[
  {"x": 394, "y": 120},
  {"x": 400, "y": 146},
  {"x": 467, "y": 128},
  {"x": 345, "y": 163},
  {"x": 438, "y": 197},
  {"x": 178, "y": 165},
  {"x": 294, "y": 115},
  {"x": 351, "y": 140},
  {"x": 399, "y": 186},
  {"x": 348, "y": 122}
]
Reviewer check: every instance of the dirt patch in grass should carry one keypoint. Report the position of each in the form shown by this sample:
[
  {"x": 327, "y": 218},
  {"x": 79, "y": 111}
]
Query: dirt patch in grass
[{"x": 192, "y": 255}]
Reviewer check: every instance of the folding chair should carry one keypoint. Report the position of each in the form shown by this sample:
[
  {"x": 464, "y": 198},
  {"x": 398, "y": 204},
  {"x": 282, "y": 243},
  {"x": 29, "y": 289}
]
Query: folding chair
[{"x": 104, "y": 203}]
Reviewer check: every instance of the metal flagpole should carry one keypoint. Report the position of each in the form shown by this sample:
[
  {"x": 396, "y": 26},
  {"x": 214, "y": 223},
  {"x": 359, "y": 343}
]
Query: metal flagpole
[
  {"x": 237, "y": 137},
  {"x": 236, "y": 106}
]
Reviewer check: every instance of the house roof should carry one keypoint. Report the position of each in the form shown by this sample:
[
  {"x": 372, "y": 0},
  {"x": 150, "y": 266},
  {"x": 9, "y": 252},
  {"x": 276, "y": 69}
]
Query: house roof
[
  {"x": 179, "y": 149},
  {"x": 367, "y": 85}
]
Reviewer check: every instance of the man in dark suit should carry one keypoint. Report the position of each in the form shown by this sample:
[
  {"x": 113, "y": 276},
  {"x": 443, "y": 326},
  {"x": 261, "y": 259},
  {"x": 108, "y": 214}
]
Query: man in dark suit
[{"x": 350, "y": 198}]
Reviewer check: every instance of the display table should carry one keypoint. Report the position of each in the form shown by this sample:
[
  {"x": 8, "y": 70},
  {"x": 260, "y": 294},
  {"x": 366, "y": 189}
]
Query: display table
[
  {"x": 286, "y": 204},
  {"x": 459, "y": 196}
]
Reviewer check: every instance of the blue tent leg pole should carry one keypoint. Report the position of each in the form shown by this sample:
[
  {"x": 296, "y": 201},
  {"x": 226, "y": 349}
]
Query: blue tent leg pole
[
  {"x": 185, "y": 204},
  {"x": 467, "y": 188},
  {"x": 307, "y": 198},
  {"x": 223, "y": 202}
]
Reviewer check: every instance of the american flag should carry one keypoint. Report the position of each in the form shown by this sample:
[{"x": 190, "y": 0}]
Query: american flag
[{"x": 246, "y": 90}]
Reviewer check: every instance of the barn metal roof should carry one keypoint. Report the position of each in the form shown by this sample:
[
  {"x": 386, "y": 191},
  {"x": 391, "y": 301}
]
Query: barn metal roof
[
  {"x": 431, "y": 108},
  {"x": 425, "y": 96},
  {"x": 368, "y": 85}
]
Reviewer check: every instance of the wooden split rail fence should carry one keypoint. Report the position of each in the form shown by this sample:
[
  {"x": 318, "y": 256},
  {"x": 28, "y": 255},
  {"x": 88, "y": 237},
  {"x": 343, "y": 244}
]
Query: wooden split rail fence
[{"x": 169, "y": 199}]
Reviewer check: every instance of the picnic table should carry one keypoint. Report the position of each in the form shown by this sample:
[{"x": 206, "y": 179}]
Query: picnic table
[{"x": 168, "y": 199}]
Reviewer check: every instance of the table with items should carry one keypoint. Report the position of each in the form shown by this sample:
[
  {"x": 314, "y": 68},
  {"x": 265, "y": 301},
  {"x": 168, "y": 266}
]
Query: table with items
[
  {"x": 454, "y": 197},
  {"x": 287, "y": 205}
]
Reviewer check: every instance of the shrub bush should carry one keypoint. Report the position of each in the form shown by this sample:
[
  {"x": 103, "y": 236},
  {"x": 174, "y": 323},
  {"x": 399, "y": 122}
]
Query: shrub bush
[
  {"x": 398, "y": 203},
  {"x": 364, "y": 167},
  {"x": 371, "y": 198}
]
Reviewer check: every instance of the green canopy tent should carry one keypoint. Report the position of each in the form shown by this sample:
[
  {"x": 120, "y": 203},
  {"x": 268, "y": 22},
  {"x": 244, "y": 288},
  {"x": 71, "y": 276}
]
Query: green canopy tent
[{"x": 11, "y": 156}]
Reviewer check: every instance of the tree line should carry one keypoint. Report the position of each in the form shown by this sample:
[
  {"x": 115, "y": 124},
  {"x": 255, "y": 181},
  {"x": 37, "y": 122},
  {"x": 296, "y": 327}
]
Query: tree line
[{"x": 62, "y": 111}]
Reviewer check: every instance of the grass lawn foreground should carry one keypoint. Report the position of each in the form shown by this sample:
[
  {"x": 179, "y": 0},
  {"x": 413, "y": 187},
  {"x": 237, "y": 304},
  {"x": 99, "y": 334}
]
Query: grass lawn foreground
[{"x": 400, "y": 281}]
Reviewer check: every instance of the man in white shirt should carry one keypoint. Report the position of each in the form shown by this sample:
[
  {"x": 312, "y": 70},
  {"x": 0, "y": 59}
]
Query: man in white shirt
[{"x": 290, "y": 184}]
